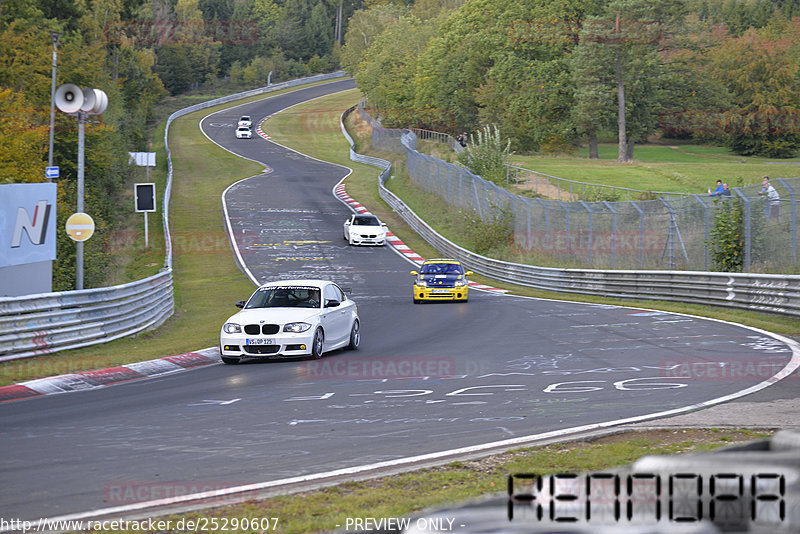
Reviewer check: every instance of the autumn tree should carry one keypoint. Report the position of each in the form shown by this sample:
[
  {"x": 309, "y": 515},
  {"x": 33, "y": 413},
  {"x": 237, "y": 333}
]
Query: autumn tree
[
  {"x": 761, "y": 69},
  {"x": 23, "y": 139}
]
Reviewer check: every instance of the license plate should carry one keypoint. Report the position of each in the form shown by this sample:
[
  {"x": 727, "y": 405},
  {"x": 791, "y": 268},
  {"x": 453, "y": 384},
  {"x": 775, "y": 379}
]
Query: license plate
[
  {"x": 259, "y": 341},
  {"x": 440, "y": 291}
]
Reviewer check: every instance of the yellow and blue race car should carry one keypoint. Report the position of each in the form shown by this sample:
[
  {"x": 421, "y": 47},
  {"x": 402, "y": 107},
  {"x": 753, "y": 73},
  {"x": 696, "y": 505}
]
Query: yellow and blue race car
[{"x": 441, "y": 279}]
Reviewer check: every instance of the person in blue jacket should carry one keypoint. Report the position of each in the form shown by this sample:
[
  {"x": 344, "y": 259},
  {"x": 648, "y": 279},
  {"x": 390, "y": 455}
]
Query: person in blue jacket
[{"x": 718, "y": 191}]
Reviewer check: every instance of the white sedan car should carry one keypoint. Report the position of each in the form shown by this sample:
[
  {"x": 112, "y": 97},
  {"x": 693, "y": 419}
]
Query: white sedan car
[
  {"x": 364, "y": 229},
  {"x": 243, "y": 132},
  {"x": 291, "y": 318},
  {"x": 245, "y": 120}
]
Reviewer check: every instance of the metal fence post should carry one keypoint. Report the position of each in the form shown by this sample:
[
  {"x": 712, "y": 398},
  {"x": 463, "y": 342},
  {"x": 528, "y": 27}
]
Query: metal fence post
[
  {"x": 566, "y": 220},
  {"x": 449, "y": 198},
  {"x": 528, "y": 205},
  {"x": 546, "y": 222},
  {"x": 591, "y": 242},
  {"x": 613, "y": 233},
  {"x": 747, "y": 229},
  {"x": 673, "y": 232},
  {"x": 793, "y": 222},
  {"x": 641, "y": 233},
  {"x": 708, "y": 229}
]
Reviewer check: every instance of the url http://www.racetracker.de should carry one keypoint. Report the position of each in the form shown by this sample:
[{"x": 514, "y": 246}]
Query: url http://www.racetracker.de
[{"x": 195, "y": 524}]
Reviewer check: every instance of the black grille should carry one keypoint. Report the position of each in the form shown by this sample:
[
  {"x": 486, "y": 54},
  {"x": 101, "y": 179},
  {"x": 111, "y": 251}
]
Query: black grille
[
  {"x": 261, "y": 349},
  {"x": 268, "y": 329}
]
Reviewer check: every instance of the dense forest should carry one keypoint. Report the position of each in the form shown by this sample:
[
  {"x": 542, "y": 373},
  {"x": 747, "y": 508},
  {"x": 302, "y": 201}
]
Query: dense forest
[{"x": 550, "y": 74}]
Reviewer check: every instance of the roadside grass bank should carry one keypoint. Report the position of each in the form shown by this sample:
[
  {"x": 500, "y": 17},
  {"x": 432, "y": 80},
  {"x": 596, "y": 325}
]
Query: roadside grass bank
[
  {"x": 405, "y": 494},
  {"x": 206, "y": 279},
  {"x": 672, "y": 167}
]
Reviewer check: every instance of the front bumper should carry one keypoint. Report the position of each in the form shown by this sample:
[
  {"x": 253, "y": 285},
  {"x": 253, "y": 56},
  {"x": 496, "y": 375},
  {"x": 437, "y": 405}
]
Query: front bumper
[
  {"x": 261, "y": 346},
  {"x": 441, "y": 293},
  {"x": 365, "y": 240}
]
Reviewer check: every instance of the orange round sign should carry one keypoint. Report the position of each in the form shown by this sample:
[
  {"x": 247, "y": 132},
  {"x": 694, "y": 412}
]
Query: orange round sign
[{"x": 80, "y": 226}]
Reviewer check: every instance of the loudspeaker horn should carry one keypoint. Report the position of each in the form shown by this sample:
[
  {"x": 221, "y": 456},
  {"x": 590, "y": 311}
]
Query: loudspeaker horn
[
  {"x": 69, "y": 98},
  {"x": 89, "y": 100},
  {"x": 100, "y": 101}
]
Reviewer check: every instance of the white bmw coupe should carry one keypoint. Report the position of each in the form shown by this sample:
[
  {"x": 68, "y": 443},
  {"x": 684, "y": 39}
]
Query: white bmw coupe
[{"x": 291, "y": 318}]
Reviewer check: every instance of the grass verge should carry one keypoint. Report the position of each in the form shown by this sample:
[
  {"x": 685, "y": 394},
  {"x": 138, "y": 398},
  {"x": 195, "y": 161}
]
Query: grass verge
[{"x": 411, "y": 493}]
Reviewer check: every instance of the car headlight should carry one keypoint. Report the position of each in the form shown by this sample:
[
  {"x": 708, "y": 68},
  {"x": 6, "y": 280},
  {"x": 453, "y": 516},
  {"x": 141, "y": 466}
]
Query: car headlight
[
  {"x": 296, "y": 327},
  {"x": 459, "y": 283},
  {"x": 232, "y": 328},
  {"x": 422, "y": 283}
]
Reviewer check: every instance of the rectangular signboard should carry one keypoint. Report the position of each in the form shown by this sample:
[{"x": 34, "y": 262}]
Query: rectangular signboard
[
  {"x": 145, "y": 197},
  {"x": 27, "y": 223},
  {"x": 143, "y": 159}
]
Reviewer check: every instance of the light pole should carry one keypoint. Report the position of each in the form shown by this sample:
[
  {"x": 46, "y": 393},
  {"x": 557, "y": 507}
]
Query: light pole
[
  {"x": 55, "y": 36},
  {"x": 72, "y": 99}
]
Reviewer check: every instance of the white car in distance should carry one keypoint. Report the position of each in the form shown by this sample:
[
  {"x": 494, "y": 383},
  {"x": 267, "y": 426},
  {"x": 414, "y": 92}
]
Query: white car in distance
[
  {"x": 291, "y": 318},
  {"x": 245, "y": 120},
  {"x": 243, "y": 132},
  {"x": 364, "y": 229}
]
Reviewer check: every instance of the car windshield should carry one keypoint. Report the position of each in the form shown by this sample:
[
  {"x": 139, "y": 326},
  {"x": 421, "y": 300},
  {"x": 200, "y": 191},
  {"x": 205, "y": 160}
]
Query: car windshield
[
  {"x": 366, "y": 221},
  {"x": 244, "y": 128},
  {"x": 285, "y": 297},
  {"x": 441, "y": 268}
]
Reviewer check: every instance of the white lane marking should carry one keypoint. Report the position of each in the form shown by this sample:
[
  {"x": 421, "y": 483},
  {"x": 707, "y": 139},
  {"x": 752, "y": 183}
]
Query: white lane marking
[{"x": 207, "y": 402}]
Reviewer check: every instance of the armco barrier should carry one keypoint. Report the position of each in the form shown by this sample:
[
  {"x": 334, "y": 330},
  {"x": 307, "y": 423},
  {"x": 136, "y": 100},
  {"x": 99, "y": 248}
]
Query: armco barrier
[
  {"x": 45, "y": 323},
  {"x": 50, "y": 322},
  {"x": 774, "y": 293}
]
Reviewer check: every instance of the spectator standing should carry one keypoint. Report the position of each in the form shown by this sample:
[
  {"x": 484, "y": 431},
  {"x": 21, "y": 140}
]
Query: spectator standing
[
  {"x": 772, "y": 197},
  {"x": 725, "y": 191},
  {"x": 718, "y": 191}
]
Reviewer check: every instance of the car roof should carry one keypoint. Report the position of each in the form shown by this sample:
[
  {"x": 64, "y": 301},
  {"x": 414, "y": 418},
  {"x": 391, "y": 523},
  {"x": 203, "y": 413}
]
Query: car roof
[
  {"x": 245, "y": 127},
  {"x": 301, "y": 283},
  {"x": 440, "y": 260}
]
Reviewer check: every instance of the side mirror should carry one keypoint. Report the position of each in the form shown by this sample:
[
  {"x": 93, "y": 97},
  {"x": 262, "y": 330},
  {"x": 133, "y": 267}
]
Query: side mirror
[
  {"x": 468, "y": 273},
  {"x": 331, "y": 303},
  {"x": 415, "y": 273},
  {"x": 241, "y": 303}
]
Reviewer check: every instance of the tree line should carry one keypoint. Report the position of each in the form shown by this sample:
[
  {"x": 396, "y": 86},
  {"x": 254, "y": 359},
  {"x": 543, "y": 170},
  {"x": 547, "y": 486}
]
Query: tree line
[
  {"x": 139, "y": 52},
  {"x": 553, "y": 75}
]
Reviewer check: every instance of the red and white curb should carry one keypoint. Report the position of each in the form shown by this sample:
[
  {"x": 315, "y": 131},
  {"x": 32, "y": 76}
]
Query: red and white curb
[
  {"x": 107, "y": 377},
  {"x": 396, "y": 242},
  {"x": 260, "y": 130}
]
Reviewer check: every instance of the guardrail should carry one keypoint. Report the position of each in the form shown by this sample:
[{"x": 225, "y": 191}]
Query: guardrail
[
  {"x": 34, "y": 325},
  {"x": 773, "y": 293}
]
